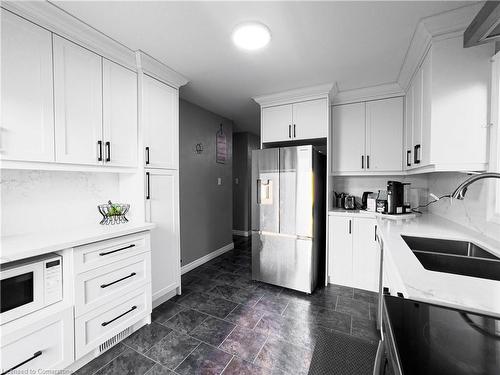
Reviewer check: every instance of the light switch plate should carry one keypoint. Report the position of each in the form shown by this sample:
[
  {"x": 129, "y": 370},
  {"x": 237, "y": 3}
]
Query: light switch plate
[{"x": 219, "y": 181}]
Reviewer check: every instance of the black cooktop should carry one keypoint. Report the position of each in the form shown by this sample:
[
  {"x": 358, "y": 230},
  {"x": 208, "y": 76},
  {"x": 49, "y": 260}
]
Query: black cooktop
[{"x": 433, "y": 339}]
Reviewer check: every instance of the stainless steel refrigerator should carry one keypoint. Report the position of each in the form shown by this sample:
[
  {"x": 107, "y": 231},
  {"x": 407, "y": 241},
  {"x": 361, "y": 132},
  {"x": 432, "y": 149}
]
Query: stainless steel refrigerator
[{"x": 288, "y": 216}]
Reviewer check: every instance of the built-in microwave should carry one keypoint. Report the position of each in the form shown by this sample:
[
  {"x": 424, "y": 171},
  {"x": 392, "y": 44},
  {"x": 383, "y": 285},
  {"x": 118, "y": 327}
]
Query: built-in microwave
[{"x": 29, "y": 285}]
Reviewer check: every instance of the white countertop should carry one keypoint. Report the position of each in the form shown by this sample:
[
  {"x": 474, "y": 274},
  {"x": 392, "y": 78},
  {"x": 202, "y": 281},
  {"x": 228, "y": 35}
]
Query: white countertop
[
  {"x": 369, "y": 214},
  {"x": 33, "y": 244},
  {"x": 471, "y": 293}
]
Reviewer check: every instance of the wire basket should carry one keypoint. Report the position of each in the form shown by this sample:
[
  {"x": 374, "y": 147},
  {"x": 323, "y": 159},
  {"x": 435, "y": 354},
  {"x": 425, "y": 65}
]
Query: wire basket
[{"x": 113, "y": 213}]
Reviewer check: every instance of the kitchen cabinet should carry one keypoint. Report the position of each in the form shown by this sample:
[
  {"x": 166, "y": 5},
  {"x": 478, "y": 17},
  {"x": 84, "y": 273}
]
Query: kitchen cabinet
[
  {"x": 340, "y": 250},
  {"x": 296, "y": 121},
  {"x": 119, "y": 90},
  {"x": 160, "y": 108},
  {"x": 368, "y": 137},
  {"x": 43, "y": 345},
  {"x": 162, "y": 208},
  {"x": 448, "y": 99},
  {"x": 348, "y": 137},
  {"x": 78, "y": 103},
  {"x": 353, "y": 256},
  {"x": 27, "y": 114},
  {"x": 384, "y": 135},
  {"x": 277, "y": 123},
  {"x": 365, "y": 254}
]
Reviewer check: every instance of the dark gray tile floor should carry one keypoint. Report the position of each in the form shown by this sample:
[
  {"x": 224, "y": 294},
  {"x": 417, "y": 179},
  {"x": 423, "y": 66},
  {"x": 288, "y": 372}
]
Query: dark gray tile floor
[{"x": 226, "y": 323}]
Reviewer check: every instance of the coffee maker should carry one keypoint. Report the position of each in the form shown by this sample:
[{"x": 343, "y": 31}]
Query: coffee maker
[{"x": 395, "y": 197}]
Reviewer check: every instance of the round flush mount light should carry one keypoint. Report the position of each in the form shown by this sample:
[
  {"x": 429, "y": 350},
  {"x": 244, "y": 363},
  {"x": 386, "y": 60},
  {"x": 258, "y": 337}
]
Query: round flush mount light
[{"x": 251, "y": 36}]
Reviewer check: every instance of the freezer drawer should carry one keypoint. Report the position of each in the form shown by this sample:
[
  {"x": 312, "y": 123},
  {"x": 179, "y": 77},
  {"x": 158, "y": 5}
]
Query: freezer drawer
[{"x": 283, "y": 260}]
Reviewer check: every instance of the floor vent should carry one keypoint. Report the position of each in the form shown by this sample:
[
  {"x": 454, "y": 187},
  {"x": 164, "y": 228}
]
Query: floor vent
[{"x": 114, "y": 340}]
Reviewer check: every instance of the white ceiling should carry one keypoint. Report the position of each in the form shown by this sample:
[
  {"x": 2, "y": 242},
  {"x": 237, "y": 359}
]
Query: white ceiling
[{"x": 356, "y": 44}]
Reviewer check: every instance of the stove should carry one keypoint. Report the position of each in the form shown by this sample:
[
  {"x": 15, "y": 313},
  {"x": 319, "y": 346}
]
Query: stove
[{"x": 422, "y": 338}]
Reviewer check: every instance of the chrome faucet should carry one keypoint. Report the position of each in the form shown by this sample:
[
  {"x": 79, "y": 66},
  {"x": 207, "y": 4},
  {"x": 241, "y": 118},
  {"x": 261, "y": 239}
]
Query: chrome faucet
[{"x": 460, "y": 191}]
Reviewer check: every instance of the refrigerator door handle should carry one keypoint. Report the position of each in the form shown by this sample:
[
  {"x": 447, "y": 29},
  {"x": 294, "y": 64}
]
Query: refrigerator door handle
[{"x": 259, "y": 186}]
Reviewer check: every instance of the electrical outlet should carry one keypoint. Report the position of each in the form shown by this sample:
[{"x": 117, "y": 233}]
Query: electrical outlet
[
  {"x": 236, "y": 180},
  {"x": 219, "y": 181}
]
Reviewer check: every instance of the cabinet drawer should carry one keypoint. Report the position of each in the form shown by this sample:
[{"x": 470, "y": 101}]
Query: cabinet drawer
[
  {"x": 44, "y": 345},
  {"x": 95, "y": 327},
  {"x": 105, "y": 252},
  {"x": 100, "y": 285}
]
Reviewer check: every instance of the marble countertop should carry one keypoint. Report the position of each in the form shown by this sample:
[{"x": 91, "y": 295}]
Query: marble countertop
[
  {"x": 471, "y": 293},
  {"x": 28, "y": 245},
  {"x": 370, "y": 214}
]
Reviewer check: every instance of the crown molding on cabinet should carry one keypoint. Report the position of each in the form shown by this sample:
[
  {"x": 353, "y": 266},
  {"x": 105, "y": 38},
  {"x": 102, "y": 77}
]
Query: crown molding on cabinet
[
  {"x": 149, "y": 65},
  {"x": 437, "y": 27},
  {"x": 297, "y": 95},
  {"x": 56, "y": 20},
  {"x": 384, "y": 91}
]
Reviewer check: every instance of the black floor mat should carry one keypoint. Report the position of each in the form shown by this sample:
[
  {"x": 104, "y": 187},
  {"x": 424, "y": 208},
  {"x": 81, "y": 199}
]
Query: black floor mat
[{"x": 339, "y": 354}]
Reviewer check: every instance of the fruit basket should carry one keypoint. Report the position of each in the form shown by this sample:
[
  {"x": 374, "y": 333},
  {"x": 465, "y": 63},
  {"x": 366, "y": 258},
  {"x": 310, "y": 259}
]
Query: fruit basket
[{"x": 113, "y": 213}]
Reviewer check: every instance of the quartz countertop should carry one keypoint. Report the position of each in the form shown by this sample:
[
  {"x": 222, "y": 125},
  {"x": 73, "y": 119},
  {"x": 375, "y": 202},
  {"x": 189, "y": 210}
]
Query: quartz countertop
[
  {"x": 471, "y": 293},
  {"x": 370, "y": 214},
  {"x": 28, "y": 245}
]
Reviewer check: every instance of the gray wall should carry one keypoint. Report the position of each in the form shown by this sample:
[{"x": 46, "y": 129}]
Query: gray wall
[
  {"x": 243, "y": 144},
  {"x": 206, "y": 209}
]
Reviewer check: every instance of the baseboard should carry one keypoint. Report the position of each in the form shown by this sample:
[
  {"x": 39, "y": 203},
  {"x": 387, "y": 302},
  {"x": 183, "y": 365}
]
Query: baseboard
[
  {"x": 241, "y": 233},
  {"x": 159, "y": 298},
  {"x": 204, "y": 259}
]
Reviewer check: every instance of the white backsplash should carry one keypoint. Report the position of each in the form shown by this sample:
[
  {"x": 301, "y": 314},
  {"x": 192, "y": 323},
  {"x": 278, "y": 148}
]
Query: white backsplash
[
  {"x": 37, "y": 201},
  {"x": 356, "y": 185},
  {"x": 472, "y": 211}
]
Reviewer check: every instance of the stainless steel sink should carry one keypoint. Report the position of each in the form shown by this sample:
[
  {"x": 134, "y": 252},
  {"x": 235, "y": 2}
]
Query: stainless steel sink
[{"x": 457, "y": 257}]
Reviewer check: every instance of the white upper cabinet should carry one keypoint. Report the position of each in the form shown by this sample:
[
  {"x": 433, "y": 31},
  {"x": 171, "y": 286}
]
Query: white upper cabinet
[
  {"x": 297, "y": 121},
  {"x": 277, "y": 123},
  {"x": 348, "y": 153},
  {"x": 384, "y": 135},
  {"x": 27, "y": 130},
  {"x": 368, "y": 137},
  {"x": 408, "y": 143},
  {"x": 161, "y": 124},
  {"x": 78, "y": 103},
  {"x": 119, "y": 115},
  {"x": 310, "y": 119}
]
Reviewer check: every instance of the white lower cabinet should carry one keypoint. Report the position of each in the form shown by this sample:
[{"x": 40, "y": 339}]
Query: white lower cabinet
[
  {"x": 353, "y": 255},
  {"x": 162, "y": 208},
  {"x": 96, "y": 327},
  {"x": 112, "y": 289},
  {"x": 44, "y": 345}
]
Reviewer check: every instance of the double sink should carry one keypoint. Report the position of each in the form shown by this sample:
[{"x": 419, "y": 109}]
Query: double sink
[{"x": 456, "y": 257}]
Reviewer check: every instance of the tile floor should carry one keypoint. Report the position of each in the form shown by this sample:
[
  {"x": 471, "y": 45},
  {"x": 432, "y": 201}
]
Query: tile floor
[{"x": 226, "y": 323}]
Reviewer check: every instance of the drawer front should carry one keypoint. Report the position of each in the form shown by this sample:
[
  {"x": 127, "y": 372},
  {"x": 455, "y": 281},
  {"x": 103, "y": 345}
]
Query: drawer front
[
  {"x": 95, "y": 327},
  {"x": 106, "y": 252},
  {"x": 44, "y": 345},
  {"x": 100, "y": 285}
]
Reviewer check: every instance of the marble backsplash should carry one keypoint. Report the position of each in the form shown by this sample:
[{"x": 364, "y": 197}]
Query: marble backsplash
[
  {"x": 472, "y": 212},
  {"x": 38, "y": 201}
]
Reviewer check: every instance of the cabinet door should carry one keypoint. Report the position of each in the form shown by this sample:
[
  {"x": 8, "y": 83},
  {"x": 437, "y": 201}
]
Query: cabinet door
[
  {"x": 349, "y": 138},
  {"x": 384, "y": 135},
  {"x": 408, "y": 158},
  {"x": 162, "y": 208},
  {"x": 161, "y": 124},
  {"x": 417, "y": 118},
  {"x": 340, "y": 250},
  {"x": 426, "y": 110},
  {"x": 277, "y": 123},
  {"x": 365, "y": 254},
  {"x": 119, "y": 88},
  {"x": 78, "y": 103},
  {"x": 310, "y": 119},
  {"x": 27, "y": 131}
]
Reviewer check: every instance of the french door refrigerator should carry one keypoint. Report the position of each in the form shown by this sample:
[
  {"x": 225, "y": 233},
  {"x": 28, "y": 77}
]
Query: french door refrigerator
[{"x": 288, "y": 216}]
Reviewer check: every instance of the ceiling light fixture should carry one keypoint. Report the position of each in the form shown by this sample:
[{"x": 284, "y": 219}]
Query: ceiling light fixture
[{"x": 251, "y": 36}]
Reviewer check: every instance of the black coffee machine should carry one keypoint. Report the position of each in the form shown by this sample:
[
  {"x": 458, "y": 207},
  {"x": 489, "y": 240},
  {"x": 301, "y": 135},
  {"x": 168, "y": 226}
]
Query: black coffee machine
[{"x": 395, "y": 197}]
